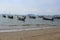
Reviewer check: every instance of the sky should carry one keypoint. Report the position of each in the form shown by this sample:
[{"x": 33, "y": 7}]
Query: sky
[{"x": 22, "y": 7}]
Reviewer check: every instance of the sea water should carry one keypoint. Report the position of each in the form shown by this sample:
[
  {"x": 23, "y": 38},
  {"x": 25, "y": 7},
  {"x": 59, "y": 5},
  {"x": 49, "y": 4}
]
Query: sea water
[
  {"x": 10, "y": 25},
  {"x": 15, "y": 21}
]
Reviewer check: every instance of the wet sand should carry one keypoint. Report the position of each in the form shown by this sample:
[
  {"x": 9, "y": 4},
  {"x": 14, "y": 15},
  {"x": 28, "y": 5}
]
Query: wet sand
[{"x": 40, "y": 34}]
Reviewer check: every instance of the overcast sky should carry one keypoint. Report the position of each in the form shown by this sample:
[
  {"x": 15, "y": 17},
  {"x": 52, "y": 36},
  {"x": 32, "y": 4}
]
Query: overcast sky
[{"x": 45, "y": 7}]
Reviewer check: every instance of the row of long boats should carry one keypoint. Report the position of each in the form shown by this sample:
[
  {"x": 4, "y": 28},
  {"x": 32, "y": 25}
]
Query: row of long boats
[{"x": 28, "y": 19}]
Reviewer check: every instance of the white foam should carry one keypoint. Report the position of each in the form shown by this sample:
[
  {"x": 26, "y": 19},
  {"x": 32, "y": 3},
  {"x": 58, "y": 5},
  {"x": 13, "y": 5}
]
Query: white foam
[{"x": 24, "y": 29}]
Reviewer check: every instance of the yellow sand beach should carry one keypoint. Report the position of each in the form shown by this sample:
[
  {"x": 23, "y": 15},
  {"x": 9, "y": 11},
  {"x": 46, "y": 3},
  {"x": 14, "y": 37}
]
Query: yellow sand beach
[{"x": 40, "y": 34}]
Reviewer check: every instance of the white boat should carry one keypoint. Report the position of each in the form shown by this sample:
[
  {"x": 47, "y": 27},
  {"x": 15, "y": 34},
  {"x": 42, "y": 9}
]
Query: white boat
[{"x": 6, "y": 19}]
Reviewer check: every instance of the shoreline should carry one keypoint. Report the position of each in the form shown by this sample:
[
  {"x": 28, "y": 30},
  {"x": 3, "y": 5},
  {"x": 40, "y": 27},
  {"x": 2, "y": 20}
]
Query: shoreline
[
  {"x": 38, "y": 34},
  {"x": 27, "y": 29}
]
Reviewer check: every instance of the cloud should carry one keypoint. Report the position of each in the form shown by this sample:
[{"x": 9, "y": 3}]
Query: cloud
[
  {"x": 30, "y": 6},
  {"x": 17, "y": 10}
]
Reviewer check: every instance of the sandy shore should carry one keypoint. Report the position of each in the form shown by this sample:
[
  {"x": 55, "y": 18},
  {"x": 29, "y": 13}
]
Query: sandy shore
[{"x": 41, "y": 34}]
